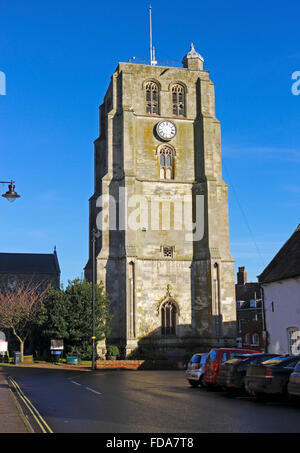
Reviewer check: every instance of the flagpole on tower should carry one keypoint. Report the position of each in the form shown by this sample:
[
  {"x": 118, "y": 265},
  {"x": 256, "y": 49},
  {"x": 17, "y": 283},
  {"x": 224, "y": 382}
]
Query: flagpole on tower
[{"x": 153, "y": 62}]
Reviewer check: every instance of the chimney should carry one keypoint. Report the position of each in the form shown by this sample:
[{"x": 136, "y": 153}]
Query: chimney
[{"x": 242, "y": 276}]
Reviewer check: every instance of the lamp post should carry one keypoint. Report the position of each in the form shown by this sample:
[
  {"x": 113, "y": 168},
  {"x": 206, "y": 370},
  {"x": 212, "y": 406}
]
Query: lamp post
[
  {"x": 10, "y": 195},
  {"x": 95, "y": 235}
]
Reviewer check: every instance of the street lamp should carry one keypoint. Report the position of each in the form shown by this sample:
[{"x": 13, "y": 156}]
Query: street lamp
[
  {"x": 95, "y": 235},
  {"x": 10, "y": 195}
]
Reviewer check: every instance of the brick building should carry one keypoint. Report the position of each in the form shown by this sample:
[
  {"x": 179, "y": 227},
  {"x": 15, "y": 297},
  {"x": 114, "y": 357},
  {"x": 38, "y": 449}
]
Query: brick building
[
  {"x": 250, "y": 315},
  {"x": 29, "y": 267}
]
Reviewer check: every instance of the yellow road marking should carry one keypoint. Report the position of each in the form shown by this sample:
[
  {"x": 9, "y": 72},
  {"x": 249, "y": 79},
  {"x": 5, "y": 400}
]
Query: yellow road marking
[{"x": 35, "y": 413}]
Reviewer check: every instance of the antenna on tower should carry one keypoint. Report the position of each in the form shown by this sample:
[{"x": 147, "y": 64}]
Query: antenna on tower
[{"x": 153, "y": 62}]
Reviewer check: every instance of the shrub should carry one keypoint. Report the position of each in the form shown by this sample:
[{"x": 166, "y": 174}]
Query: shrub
[{"x": 113, "y": 351}]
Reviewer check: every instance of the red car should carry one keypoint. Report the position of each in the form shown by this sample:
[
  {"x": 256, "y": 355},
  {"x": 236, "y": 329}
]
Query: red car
[{"x": 216, "y": 357}]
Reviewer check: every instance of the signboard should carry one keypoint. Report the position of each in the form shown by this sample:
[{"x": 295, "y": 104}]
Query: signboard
[
  {"x": 57, "y": 345},
  {"x": 3, "y": 346}
]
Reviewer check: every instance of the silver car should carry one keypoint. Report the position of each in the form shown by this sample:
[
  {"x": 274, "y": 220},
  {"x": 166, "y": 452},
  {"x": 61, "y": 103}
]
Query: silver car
[{"x": 195, "y": 369}]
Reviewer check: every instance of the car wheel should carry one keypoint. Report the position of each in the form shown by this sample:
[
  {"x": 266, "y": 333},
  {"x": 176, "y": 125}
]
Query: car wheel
[
  {"x": 248, "y": 390},
  {"x": 194, "y": 383},
  {"x": 201, "y": 381},
  {"x": 260, "y": 397},
  {"x": 286, "y": 394}
]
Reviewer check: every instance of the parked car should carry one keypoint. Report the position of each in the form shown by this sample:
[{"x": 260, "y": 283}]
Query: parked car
[
  {"x": 294, "y": 382},
  {"x": 270, "y": 377},
  {"x": 232, "y": 373},
  {"x": 217, "y": 356},
  {"x": 195, "y": 369}
]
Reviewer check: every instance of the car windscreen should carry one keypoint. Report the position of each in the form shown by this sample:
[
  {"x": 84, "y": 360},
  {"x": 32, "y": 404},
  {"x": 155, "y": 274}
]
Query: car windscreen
[
  {"x": 233, "y": 361},
  {"x": 203, "y": 358},
  {"x": 274, "y": 361},
  {"x": 259, "y": 358},
  {"x": 297, "y": 368},
  {"x": 284, "y": 361},
  {"x": 212, "y": 355},
  {"x": 196, "y": 358}
]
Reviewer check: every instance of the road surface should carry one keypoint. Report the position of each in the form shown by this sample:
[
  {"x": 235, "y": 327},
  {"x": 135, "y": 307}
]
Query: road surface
[{"x": 146, "y": 402}]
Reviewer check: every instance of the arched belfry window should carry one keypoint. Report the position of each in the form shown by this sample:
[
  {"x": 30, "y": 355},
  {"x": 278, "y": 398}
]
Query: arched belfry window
[
  {"x": 168, "y": 318},
  {"x": 166, "y": 162},
  {"x": 152, "y": 95},
  {"x": 178, "y": 100}
]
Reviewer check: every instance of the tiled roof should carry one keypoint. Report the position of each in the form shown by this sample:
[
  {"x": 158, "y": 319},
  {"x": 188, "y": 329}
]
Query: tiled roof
[
  {"x": 29, "y": 263},
  {"x": 286, "y": 264},
  {"x": 247, "y": 291}
]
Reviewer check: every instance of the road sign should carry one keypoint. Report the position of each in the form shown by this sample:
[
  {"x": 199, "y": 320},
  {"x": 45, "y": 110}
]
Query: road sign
[
  {"x": 3, "y": 346},
  {"x": 57, "y": 345}
]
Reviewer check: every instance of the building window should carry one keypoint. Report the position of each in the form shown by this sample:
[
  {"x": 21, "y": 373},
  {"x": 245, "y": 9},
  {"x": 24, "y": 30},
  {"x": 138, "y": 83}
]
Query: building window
[
  {"x": 152, "y": 106},
  {"x": 178, "y": 100},
  {"x": 168, "y": 318},
  {"x": 293, "y": 334},
  {"x": 247, "y": 338},
  {"x": 239, "y": 304},
  {"x": 252, "y": 303},
  {"x": 255, "y": 339},
  {"x": 240, "y": 325},
  {"x": 166, "y": 162}
]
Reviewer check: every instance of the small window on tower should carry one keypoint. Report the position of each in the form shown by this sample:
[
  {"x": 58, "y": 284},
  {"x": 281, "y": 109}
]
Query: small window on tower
[
  {"x": 168, "y": 252},
  {"x": 152, "y": 98},
  {"x": 166, "y": 162}
]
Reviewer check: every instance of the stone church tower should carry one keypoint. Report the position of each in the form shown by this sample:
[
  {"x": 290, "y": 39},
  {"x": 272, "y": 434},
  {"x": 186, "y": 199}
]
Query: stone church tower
[{"x": 161, "y": 205}]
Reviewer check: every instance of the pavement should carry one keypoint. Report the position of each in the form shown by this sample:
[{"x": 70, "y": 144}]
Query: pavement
[{"x": 12, "y": 419}]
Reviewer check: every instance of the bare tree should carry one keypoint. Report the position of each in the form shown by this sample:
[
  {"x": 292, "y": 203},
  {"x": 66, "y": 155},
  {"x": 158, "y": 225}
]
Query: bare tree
[{"x": 19, "y": 309}]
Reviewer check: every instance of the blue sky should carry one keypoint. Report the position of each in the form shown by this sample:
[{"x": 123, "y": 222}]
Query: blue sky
[{"x": 58, "y": 57}]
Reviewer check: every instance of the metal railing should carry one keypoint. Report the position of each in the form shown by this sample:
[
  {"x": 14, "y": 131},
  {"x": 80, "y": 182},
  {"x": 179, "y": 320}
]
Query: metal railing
[{"x": 175, "y": 64}]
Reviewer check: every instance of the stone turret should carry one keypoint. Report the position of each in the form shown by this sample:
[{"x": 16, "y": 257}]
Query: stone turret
[{"x": 193, "y": 60}]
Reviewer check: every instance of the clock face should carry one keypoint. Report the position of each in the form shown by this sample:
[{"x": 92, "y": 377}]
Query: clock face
[{"x": 166, "y": 130}]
